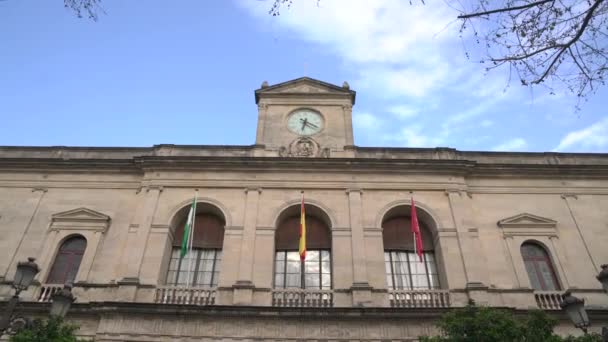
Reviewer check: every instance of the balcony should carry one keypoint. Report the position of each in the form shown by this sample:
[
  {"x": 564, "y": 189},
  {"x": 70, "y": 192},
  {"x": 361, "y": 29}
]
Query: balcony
[
  {"x": 419, "y": 298},
  {"x": 548, "y": 300},
  {"x": 298, "y": 298},
  {"x": 46, "y": 292},
  {"x": 184, "y": 295}
]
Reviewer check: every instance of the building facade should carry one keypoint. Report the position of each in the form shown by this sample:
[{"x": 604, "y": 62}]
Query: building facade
[{"x": 510, "y": 230}]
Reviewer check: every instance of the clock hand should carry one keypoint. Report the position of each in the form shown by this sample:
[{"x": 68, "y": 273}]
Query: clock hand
[
  {"x": 312, "y": 125},
  {"x": 304, "y": 123}
]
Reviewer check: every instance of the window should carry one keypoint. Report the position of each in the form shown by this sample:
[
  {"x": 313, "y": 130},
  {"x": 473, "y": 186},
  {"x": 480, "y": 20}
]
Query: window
[
  {"x": 404, "y": 269},
  {"x": 66, "y": 264},
  {"x": 539, "y": 267},
  {"x": 197, "y": 268},
  {"x": 315, "y": 271},
  {"x": 201, "y": 266}
]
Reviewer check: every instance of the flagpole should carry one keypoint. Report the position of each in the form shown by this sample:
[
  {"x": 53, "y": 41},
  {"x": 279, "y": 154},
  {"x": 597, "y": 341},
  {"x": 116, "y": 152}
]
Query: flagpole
[
  {"x": 190, "y": 279},
  {"x": 302, "y": 274},
  {"x": 413, "y": 207}
]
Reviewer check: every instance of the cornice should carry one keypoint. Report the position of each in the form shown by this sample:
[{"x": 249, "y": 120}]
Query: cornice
[
  {"x": 401, "y": 166},
  {"x": 448, "y": 166},
  {"x": 50, "y": 165},
  {"x": 100, "y": 309}
]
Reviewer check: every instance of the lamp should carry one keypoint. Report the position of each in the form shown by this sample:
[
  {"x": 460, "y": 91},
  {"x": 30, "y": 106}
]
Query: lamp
[
  {"x": 575, "y": 308},
  {"x": 603, "y": 277},
  {"x": 26, "y": 271},
  {"x": 24, "y": 275},
  {"x": 62, "y": 300}
]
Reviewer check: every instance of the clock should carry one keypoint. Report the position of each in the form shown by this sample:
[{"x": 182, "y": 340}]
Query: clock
[{"x": 305, "y": 122}]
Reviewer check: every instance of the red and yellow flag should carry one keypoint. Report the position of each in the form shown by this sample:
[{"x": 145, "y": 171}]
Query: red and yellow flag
[
  {"x": 302, "y": 248},
  {"x": 418, "y": 248}
]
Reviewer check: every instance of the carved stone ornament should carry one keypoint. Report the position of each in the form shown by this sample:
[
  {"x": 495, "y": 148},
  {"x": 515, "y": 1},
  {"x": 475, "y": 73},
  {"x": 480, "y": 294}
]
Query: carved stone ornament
[{"x": 304, "y": 147}]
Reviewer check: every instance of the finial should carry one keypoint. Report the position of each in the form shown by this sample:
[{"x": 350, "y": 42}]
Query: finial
[
  {"x": 345, "y": 85},
  {"x": 265, "y": 84}
]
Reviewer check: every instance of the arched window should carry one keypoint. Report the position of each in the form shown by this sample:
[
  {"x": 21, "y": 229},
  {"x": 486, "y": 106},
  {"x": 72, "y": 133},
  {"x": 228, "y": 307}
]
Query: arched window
[
  {"x": 66, "y": 264},
  {"x": 315, "y": 271},
  {"x": 539, "y": 267},
  {"x": 404, "y": 269},
  {"x": 201, "y": 267}
]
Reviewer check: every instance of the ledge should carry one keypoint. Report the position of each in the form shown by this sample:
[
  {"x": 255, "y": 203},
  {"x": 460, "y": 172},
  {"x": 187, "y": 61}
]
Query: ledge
[{"x": 146, "y": 309}]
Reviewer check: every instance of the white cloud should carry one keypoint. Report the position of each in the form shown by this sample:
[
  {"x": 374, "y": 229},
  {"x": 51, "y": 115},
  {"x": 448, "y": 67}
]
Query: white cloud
[
  {"x": 414, "y": 136},
  {"x": 395, "y": 50},
  {"x": 486, "y": 123},
  {"x": 590, "y": 138},
  {"x": 403, "y": 112},
  {"x": 515, "y": 144},
  {"x": 398, "y": 48},
  {"x": 367, "y": 121}
]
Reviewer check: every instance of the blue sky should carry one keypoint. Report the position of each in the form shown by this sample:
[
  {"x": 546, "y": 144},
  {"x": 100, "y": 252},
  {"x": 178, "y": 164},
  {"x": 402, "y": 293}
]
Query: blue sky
[{"x": 184, "y": 72}]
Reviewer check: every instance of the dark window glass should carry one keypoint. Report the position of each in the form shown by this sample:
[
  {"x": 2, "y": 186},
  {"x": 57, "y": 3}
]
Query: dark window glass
[
  {"x": 208, "y": 232},
  {"x": 404, "y": 269},
  {"x": 200, "y": 267},
  {"x": 315, "y": 272},
  {"x": 539, "y": 267},
  {"x": 66, "y": 264}
]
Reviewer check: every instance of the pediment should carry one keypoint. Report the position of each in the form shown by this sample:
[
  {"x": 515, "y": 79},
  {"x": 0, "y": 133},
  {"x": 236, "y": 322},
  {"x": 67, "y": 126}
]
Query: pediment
[
  {"x": 526, "y": 220},
  {"x": 81, "y": 214},
  {"x": 304, "y": 86}
]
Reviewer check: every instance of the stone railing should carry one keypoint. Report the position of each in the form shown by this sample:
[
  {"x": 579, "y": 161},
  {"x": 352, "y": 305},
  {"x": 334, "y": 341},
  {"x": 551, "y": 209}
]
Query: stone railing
[
  {"x": 184, "y": 295},
  {"x": 419, "y": 298},
  {"x": 46, "y": 292},
  {"x": 302, "y": 298},
  {"x": 548, "y": 300}
]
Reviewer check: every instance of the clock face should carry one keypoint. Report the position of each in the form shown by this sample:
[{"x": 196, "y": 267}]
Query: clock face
[{"x": 305, "y": 122}]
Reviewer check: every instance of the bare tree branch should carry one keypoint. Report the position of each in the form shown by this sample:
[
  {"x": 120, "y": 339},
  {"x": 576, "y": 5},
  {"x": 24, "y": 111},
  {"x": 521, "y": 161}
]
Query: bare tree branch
[
  {"x": 560, "y": 39},
  {"x": 507, "y": 9},
  {"x": 90, "y": 8}
]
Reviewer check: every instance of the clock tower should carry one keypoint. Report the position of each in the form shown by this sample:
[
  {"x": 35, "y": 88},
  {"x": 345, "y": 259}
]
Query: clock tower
[{"x": 305, "y": 118}]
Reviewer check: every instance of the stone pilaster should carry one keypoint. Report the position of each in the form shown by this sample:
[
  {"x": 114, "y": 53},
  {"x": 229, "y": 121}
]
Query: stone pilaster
[
  {"x": 470, "y": 246},
  {"x": 348, "y": 124},
  {"x": 15, "y": 255},
  {"x": 137, "y": 238},
  {"x": 243, "y": 288},
  {"x": 361, "y": 290}
]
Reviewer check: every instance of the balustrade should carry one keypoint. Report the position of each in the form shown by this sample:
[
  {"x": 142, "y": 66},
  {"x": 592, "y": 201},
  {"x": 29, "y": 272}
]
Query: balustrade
[
  {"x": 185, "y": 295},
  {"x": 46, "y": 292},
  {"x": 302, "y": 298},
  {"x": 548, "y": 300},
  {"x": 419, "y": 298}
]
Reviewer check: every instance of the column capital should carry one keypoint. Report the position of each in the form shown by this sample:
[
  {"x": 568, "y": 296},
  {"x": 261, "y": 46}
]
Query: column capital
[
  {"x": 259, "y": 190},
  {"x": 160, "y": 188},
  {"x": 354, "y": 190},
  {"x": 566, "y": 196},
  {"x": 449, "y": 192}
]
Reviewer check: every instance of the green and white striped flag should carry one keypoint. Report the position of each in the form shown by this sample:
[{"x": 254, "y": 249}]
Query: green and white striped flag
[{"x": 188, "y": 230}]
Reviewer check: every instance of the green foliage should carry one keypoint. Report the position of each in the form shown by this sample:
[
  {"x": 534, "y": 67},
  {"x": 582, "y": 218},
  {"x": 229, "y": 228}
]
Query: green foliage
[
  {"x": 483, "y": 324},
  {"x": 52, "y": 330}
]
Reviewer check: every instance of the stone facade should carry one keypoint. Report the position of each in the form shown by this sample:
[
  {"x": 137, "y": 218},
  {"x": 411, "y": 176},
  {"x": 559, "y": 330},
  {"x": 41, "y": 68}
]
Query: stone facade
[{"x": 480, "y": 207}]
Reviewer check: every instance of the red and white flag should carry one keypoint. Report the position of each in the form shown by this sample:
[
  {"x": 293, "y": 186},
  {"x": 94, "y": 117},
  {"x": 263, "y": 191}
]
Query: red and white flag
[{"x": 416, "y": 231}]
